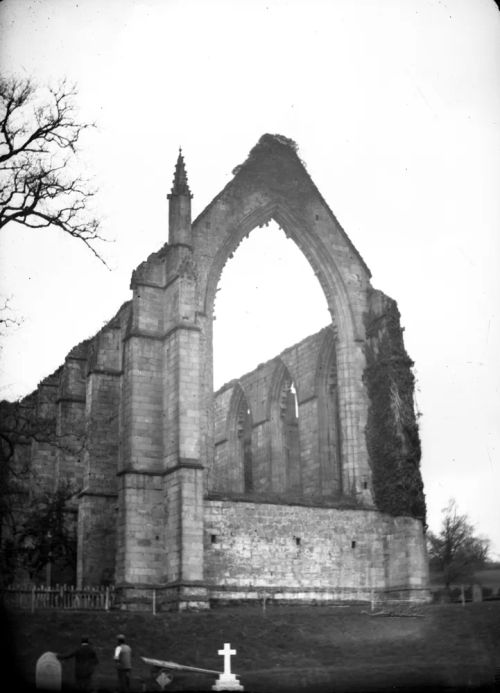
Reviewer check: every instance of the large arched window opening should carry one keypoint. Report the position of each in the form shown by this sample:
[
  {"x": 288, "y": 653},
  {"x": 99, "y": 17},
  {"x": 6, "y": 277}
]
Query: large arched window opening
[{"x": 267, "y": 299}]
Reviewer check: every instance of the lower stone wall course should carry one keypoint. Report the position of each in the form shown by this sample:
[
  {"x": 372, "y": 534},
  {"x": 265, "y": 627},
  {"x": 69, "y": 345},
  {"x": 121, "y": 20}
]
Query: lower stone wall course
[{"x": 293, "y": 550}]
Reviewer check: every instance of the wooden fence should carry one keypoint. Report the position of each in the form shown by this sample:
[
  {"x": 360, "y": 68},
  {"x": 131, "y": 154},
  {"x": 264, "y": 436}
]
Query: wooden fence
[{"x": 33, "y": 597}]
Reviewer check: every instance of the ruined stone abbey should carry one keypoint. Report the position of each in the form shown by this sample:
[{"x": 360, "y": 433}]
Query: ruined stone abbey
[{"x": 299, "y": 480}]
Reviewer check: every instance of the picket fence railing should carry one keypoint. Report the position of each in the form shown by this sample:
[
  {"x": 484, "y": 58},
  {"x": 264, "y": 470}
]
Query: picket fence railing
[{"x": 32, "y": 597}]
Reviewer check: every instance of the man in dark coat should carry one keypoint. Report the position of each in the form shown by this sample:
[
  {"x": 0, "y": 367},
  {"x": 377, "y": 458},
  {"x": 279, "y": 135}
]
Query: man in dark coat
[{"x": 85, "y": 663}]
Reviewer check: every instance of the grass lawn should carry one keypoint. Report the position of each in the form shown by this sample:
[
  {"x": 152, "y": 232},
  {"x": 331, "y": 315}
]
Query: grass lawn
[{"x": 284, "y": 649}]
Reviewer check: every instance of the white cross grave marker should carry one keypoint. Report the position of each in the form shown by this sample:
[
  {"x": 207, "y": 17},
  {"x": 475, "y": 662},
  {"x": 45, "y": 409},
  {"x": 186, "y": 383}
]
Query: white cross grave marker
[
  {"x": 227, "y": 681},
  {"x": 226, "y": 653}
]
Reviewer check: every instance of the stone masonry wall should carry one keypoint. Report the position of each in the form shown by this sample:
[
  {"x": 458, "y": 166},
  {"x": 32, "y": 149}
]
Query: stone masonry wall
[
  {"x": 44, "y": 451},
  {"x": 141, "y": 518},
  {"x": 70, "y": 427},
  {"x": 302, "y": 363},
  {"x": 98, "y": 497},
  {"x": 320, "y": 554}
]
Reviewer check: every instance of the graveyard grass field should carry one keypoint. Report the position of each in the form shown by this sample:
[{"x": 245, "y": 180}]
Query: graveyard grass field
[{"x": 285, "y": 648}]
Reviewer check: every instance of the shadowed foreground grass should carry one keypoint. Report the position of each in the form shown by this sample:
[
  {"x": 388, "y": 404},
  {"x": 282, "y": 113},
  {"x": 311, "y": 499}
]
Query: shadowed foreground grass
[{"x": 316, "y": 649}]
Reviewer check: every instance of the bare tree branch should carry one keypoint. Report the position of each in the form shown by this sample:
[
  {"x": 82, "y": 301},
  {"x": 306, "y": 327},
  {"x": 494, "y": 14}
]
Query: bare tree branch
[{"x": 39, "y": 186}]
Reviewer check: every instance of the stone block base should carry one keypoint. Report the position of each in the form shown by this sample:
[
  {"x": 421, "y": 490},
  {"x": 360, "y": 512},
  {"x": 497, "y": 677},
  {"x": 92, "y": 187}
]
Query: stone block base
[
  {"x": 227, "y": 682},
  {"x": 197, "y": 596},
  {"x": 228, "y": 594},
  {"x": 184, "y": 596},
  {"x": 135, "y": 597},
  {"x": 157, "y": 598}
]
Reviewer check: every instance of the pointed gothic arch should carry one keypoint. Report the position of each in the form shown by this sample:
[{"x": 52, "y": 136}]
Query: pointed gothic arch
[
  {"x": 232, "y": 467},
  {"x": 229, "y": 229},
  {"x": 311, "y": 246},
  {"x": 239, "y": 433},
  {"x": 284, "y": 440}
]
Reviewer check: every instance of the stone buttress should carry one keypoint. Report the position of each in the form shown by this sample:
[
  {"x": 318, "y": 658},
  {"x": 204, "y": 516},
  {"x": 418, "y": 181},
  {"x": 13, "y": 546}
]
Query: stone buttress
[{"x": 160, "y": 516}]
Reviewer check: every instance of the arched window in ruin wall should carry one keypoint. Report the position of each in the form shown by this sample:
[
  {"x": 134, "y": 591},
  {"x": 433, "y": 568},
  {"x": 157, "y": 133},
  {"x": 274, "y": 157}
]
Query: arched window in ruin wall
[
  {"x": 244, "y": 442},
  {"x": 329, "y": 437},
  {"x": 284, "y": 443},
  {"x": 261, "y": 457},
  {"x": 232, "y": 468}
]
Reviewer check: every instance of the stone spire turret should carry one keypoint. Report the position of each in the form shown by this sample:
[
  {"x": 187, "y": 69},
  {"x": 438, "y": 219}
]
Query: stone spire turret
[
  {"x": 180, "y": 184},
  {"x": 179, "y": 216}
]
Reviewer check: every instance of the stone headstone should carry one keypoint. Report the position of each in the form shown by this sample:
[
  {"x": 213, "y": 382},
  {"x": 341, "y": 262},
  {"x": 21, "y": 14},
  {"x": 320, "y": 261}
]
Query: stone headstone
[
  {"x": 477, "y": 593},
  {"x": 48, "y": 672}
]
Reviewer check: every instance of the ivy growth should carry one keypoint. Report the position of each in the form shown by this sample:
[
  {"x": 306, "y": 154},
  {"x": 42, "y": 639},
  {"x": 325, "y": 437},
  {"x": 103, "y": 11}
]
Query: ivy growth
[{"x": 392, "y": 433}]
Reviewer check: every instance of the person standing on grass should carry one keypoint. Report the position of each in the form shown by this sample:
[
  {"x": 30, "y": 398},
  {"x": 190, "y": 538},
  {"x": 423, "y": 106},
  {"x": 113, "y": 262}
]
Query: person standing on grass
[
  {"x": 123, "y": 661},
  {"x": 85, "y": 663}
]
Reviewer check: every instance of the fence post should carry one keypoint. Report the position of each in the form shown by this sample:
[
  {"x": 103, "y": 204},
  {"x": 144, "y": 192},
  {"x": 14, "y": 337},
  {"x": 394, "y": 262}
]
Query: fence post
[{"x": 62, "y": 596}]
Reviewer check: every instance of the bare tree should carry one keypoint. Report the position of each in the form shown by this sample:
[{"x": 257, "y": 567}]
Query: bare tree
[
  {"x": 34, "y": 526},
  {"x": 456, "y": 551},
  {"x": 39, "y": 134},
  {"x": 46, "y": 536},
  {"x": 18, "y": 428}
]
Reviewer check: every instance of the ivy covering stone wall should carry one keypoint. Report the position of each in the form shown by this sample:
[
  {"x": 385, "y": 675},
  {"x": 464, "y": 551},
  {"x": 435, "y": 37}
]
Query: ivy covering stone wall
[{"x": 392, "y": 433}]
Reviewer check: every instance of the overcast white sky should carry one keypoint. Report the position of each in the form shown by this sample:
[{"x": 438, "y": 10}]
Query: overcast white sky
[{"x": 395, "y": 106}]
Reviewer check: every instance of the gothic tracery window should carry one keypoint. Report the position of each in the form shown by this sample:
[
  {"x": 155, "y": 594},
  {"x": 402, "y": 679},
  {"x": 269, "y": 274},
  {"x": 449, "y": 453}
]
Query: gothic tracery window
[
  {"x": 244, "y": 434},
  {"x": 285, "y": 446}
]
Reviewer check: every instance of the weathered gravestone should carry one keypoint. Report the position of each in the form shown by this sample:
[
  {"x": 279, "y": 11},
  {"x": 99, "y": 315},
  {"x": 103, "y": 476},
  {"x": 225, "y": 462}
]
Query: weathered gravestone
[
  {"x": 48, "y": 672},
  {"x": 163, "y": 679},
  {"x": 477, "y": 593}
]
